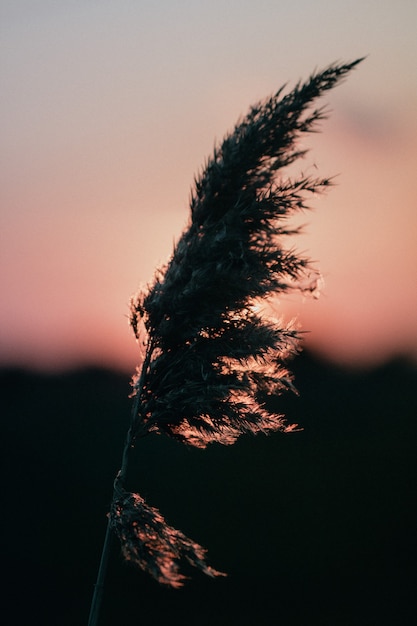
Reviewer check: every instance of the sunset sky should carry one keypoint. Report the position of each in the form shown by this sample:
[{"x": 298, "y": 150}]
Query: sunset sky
[{"x": 109, "y": 108}]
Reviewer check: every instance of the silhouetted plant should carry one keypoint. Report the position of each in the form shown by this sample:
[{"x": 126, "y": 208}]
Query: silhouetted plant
[{"x": 210, "y": 350}]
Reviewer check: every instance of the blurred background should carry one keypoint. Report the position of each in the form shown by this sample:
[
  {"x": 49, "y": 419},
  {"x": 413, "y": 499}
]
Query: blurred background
[{"x": 108, "y": 109}]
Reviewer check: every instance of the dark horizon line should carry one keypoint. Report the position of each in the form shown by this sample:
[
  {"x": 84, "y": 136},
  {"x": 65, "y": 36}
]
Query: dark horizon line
[{"x": 307, "y": 354}]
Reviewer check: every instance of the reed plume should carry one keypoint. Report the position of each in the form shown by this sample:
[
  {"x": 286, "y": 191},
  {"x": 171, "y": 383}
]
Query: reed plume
[{"x": 211, "y": 353}]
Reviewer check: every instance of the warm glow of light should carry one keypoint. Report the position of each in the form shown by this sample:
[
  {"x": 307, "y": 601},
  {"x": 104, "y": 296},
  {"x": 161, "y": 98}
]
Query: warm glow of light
[{"x": 108, "y": 113}]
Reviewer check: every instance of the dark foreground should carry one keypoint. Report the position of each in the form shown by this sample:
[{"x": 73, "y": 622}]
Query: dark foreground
[{"x": 316, "y": 527}]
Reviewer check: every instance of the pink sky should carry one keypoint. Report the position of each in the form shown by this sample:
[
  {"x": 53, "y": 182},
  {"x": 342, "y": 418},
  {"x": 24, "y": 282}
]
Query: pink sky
[{"x": 108, "y": 110}]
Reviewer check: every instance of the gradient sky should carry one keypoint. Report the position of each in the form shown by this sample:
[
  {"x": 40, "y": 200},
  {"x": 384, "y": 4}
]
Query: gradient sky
[{"x": 108, "y": 108}]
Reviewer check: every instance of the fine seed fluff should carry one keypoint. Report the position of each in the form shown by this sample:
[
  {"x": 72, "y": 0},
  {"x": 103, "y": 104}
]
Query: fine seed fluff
[{"x": 210, "y": 353}]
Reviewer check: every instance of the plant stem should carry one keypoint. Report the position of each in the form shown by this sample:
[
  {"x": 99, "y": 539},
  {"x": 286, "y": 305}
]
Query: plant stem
[
  {"x": 119, "y": 481},
  {"x": 99, "y": 586}
]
